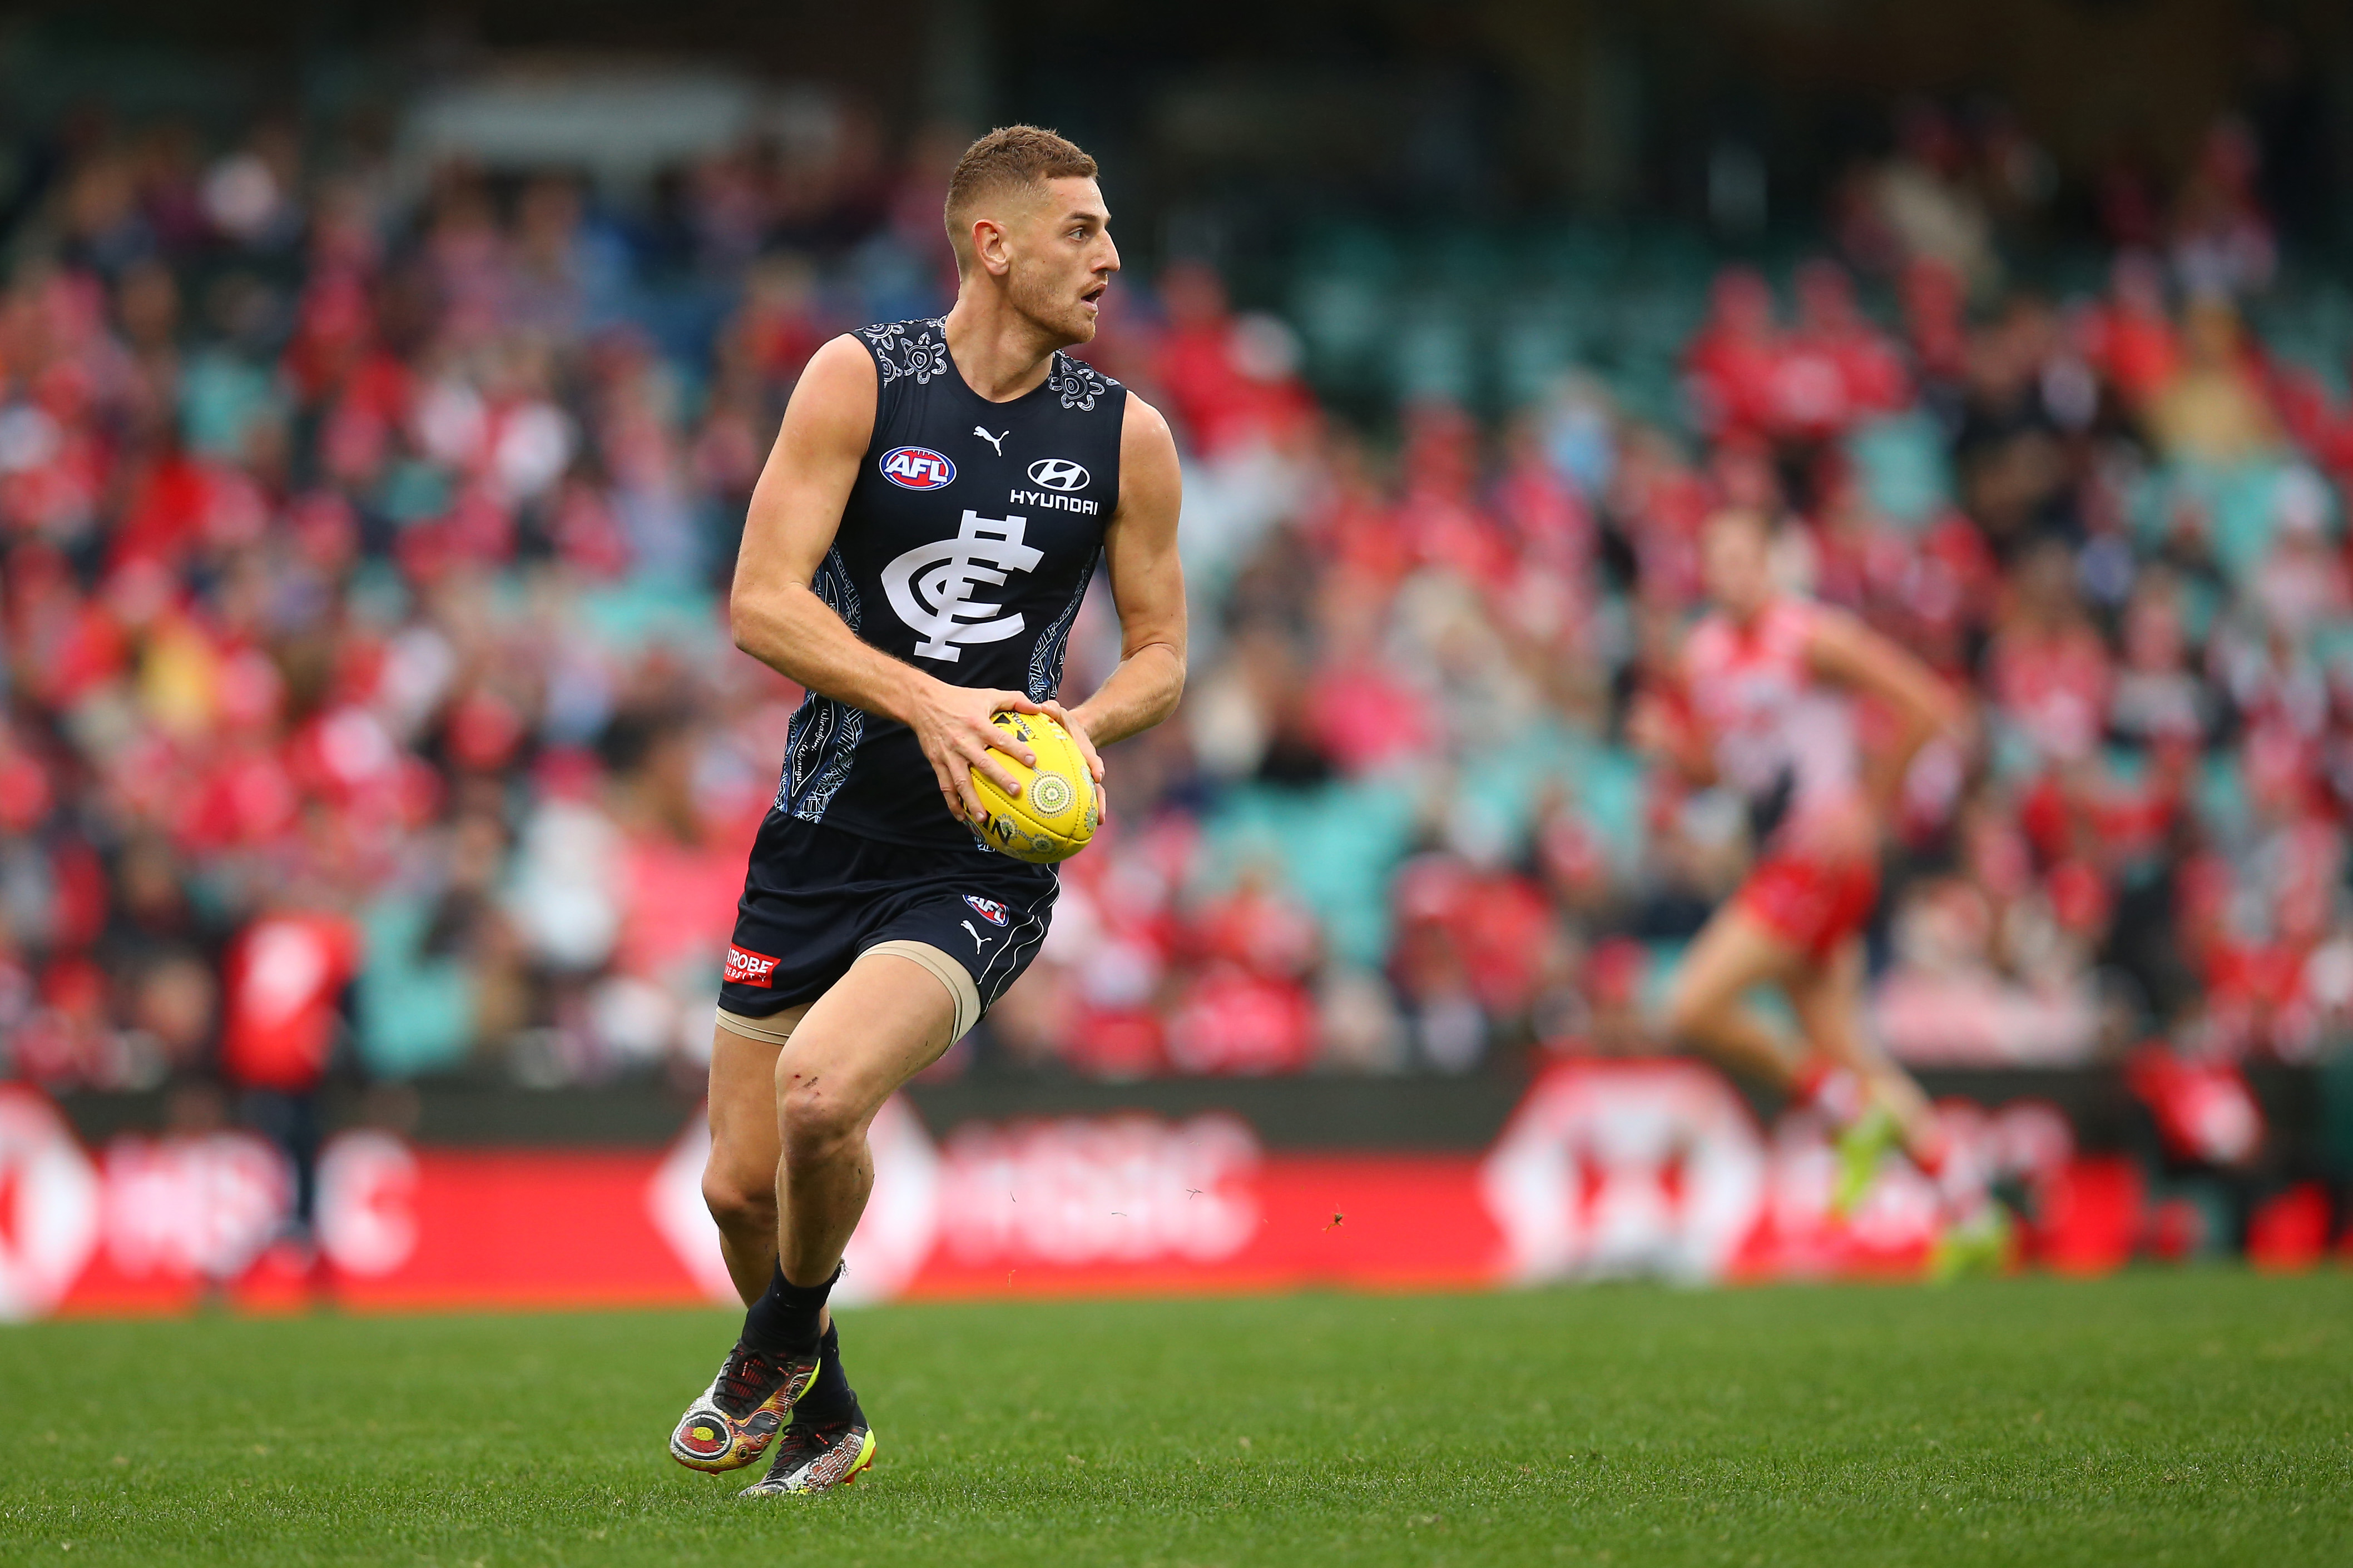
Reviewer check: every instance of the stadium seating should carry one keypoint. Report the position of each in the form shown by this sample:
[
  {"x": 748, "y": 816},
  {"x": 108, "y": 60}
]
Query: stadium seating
[{"x": 371, "y": 707}]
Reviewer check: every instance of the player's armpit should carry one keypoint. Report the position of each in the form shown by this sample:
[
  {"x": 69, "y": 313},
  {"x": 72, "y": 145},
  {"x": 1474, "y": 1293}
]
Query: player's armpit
[{"x": 1148, "y": 584}]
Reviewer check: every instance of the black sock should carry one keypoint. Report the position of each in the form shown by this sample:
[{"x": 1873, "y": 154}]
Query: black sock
[
  {"x": 830, "y": 1397},
  {"x": 784, "y": 1321}
]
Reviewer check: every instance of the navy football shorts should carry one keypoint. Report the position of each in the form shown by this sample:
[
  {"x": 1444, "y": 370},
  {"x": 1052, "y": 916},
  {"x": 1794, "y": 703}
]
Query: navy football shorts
[{"x": 816, "y": 899}]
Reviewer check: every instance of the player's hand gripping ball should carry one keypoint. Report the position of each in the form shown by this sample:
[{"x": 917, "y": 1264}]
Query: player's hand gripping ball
[{"x": 1055, "y": 810}]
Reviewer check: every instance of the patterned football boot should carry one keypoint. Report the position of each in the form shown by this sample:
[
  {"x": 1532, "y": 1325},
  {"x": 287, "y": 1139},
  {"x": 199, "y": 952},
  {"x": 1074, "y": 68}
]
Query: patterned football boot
[
  {"x": 1861, "y": 1144},
  {"x": 731, "y": 1424},
  {"x": 811, "y": 1457},
  {"x": 1981, "y": 1244}
]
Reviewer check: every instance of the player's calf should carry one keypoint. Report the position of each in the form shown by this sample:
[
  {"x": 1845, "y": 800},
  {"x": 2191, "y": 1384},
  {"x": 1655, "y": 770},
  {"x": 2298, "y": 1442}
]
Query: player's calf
[{"x": 746, "y": 1217}]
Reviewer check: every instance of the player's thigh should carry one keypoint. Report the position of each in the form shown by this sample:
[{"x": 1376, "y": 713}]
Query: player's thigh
[
  {"x": 1734, "y": 950},
  {"x": 1826, "y": 994},
  {"x": 879, "y": 1025},
  {"x": 742, "y": 1107}
]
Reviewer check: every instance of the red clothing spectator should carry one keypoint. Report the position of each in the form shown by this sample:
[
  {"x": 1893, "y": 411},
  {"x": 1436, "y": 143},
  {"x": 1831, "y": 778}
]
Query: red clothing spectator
[
  {"x": 1935, "y": 299},
  {"x": 1364, "y": 717},
  {"x": 2204, "y": 1110},
  {"x": 2054, "y": 685},
  {"x": 681, "y": 904},
  {"x": 2049, "y": 667},
  {"x": 1229, "y": 381},
  {"x": 1731, "y": 361},
  {"x": 1231, "y": 1021},
  {"x": 1836, "y": 368},
  {"x": 285, "y": 977},
  {"x": 2131, "y": 339},
  {"x": 1255, "y": 927}
]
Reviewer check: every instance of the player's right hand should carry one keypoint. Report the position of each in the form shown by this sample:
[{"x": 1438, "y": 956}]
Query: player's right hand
[{"x": 952, "y": 725}]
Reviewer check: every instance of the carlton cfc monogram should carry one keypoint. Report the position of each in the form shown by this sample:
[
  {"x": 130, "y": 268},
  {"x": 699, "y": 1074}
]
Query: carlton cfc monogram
[{"x": 930, "y": 585}]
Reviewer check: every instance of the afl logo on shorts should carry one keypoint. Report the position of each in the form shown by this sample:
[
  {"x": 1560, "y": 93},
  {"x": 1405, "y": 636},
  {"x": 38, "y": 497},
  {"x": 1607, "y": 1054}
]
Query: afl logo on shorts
[
  {"x": 1058, "y": 474},
  {"x": 917, "y": 469},
  {"x": 988, "y": 909}
]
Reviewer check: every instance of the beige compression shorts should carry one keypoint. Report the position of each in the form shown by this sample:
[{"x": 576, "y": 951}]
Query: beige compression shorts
[{"x": 962, "y": 991}]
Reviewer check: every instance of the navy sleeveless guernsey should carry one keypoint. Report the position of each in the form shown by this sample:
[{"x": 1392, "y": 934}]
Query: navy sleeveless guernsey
[{"x": 966, "y": 545}]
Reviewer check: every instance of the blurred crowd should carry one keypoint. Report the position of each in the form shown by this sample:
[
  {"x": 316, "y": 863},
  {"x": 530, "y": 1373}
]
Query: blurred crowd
[
  {"x": 370, "y": 707},
  {"x": 363, "y": 555}
]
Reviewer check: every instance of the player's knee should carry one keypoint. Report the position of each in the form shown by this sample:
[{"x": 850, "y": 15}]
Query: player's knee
[
  {"x": 1687, "y": 1013},
  {"x": 815, "y": 1122},
  {"x": 738, "y": 1204}
]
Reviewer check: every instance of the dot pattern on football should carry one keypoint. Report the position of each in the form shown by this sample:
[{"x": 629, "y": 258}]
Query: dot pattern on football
[{"x": 1054, "y": 810}]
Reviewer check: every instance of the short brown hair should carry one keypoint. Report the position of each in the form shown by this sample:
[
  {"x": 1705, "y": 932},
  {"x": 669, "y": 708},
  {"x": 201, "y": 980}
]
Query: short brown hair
[{"x": 1008, "y": 157}]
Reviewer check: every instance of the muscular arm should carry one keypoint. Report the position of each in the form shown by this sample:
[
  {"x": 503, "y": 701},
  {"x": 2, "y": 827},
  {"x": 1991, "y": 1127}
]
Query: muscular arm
[
  {"x": 778, "y": 619},
  {"x": 1147, "y": 586},
  {"x": 1844, "y": 650}
]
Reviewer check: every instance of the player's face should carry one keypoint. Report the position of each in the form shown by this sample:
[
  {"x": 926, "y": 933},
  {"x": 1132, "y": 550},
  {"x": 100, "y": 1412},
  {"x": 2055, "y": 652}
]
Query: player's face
[
  {"x": 1735, "y": 563},
  {"x": 1063, "y": 258}
]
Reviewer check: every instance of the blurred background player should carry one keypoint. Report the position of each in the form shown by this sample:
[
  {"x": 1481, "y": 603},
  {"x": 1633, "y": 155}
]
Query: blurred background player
[
  {"x": 1769, "y": 708},
  {"x": 916, "y": 550}
]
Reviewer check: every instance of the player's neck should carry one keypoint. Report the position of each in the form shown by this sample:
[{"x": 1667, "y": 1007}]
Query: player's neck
[
  {"x": 1746, "y": 617},
  {"x": 1001, "y": 353}
]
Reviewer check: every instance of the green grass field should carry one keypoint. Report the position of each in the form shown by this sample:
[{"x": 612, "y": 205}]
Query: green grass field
[{"x": 2194, "y": 1418}]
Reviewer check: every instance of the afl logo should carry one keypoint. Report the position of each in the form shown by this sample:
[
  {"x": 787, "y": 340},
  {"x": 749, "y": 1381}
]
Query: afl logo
[
  {"x": 988, "y": 909},
  {"x": 1058, "y": 474},
  {"x": 917, "y": 469}
]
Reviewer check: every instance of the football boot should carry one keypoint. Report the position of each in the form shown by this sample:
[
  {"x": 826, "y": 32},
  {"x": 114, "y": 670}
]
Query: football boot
[
  {"x": 735, "y": 1419},
  {"x": 816, "y": 1458}
]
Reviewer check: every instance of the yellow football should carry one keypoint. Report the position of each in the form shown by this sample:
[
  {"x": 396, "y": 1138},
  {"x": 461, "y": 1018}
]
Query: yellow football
[{"x": 1053, "y": 812}]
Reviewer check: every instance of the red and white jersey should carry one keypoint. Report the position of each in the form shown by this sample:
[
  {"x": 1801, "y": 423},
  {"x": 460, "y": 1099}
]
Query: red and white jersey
[{"x": 1773, "y": 723}]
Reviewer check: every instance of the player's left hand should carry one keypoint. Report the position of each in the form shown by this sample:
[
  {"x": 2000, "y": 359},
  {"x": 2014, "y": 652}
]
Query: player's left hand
[{"x": 1061, "y": 715}]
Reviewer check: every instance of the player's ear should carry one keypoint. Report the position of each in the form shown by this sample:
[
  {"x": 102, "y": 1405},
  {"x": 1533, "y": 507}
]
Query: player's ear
[{"x": 988, "y": 247}]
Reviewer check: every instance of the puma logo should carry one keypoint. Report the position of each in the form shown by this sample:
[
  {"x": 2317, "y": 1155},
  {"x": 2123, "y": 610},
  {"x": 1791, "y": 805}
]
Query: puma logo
[
  {"x": 997, "y": 442},
  {"x": 978, "y": 945}
]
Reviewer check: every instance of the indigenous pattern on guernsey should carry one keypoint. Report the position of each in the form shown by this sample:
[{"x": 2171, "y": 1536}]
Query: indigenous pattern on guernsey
[
  {"x": 965, "y": 548},
  {"x": 1077, "y": 382},
  {"x": 917, "y": 349},
  {"x": 824, "y": 734},
  {"x": 1045, "y": 658}
]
